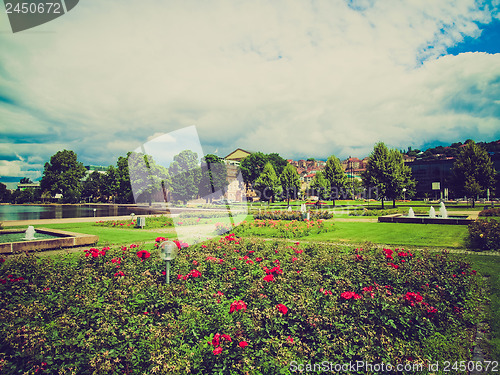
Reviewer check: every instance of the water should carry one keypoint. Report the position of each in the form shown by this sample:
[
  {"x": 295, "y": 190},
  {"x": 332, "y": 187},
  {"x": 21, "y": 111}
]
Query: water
[
  {"x": 443, "y": 211},
  {"x": 20, "y": 236},
  {"x": 432, "y": 212},
  {"x": 411, "y": 213},
  {"x": 52, "y": 211},
  {"x": 30, "y": 233}
]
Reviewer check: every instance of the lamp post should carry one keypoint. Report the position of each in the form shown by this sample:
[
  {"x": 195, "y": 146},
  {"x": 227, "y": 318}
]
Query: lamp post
[
  {"x": 94, "y": 211},
  {"x": 168, "y": 252},
  {"x": 404, "y": 194},
  {"x": 132, "y": 215}
]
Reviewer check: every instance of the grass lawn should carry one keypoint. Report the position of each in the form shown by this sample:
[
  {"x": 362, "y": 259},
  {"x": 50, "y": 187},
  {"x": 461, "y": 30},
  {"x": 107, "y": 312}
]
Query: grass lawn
[
  {"x": 489, "y": 266},
  {"x": 400, "y": 234},
  {"x": 116, "y": 236}
]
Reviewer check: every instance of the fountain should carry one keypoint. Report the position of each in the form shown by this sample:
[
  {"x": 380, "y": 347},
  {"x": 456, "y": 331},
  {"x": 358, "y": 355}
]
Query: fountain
[
  {"x": 430, "y": 218},
  {"x": 411, "y": 213},
  {"x": 443, "y": 211},
  {"x": 432, "y": 213},
  {"x": 30, "y": 233}
]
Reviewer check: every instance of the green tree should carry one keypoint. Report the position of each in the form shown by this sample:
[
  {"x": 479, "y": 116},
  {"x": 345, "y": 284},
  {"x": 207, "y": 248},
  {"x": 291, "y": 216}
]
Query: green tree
[
  {"x": 252, "y": 166},
  {"x": 278, "y": 163},
  {"x": 268, "y": 184},
  {"x": 63, "y": 175},
  {"x": 213, "y": 181},
  {"x": 290, "y": 182},
  {"x": 110, "y": 183},
  {"x": 185, "y": 176},
  {"x": 473, "y": 172},
  {"x": 147, "y": 178},
  {"x": 92, "y": 187},
  {"x": 336, "y": 177},
  {"x": 321, "y": 186},
  {"x": 124, "y": 194},
  {"x": 387, "y": 173},
  {"x": 25, "y": 180},
  {"x": 5, "y": 193}
]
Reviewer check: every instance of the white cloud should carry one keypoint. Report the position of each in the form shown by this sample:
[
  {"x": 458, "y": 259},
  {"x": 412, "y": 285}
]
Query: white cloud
[{"x": 298, "y": 78}]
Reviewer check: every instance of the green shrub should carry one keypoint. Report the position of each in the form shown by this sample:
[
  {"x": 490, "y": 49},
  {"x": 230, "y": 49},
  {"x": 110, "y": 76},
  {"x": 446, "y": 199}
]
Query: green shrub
[
  {"x": 484, "y": 235},
  {"x": 490, "y": 212},
  {"x": 152, "y": 222}
]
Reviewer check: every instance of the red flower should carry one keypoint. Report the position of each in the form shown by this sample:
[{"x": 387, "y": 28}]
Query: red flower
[
  {"x": 243, "y": 344},
  {"x": 160, "y": 239},
  {"x": 349, "y": 295},
  {"x": 227, "y": 337},
  {"x": 393, "y": 265},
  {"x": 119, "y": 273},
  {"x": 289, "y": 339},
  {"x": 2, "y": 260},
  {"x": 217, "y": 350},
  {"x": 215, "y": 340},
  {"x": 269, "y": 278},
  {"x": 413, "y": 298},
  {"x": 236, "y": 306},
  {"x": 143, "y": 254},
  {"x": 282, "y": 308}
]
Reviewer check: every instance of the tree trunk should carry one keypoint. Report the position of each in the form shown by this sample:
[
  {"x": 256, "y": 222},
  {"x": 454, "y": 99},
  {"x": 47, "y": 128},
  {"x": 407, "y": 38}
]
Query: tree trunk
[
  {"x": 382, "y": 203},
  {"x": 333, "y": 202},
  {"x": 394, "y": 203}
]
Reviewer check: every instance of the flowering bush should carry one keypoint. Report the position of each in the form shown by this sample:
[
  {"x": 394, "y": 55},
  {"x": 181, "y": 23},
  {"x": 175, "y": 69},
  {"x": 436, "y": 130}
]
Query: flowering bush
[
  {"x": 484, "y": 235},
  {"x": 490, "y": 212},
  {"x": 290, "y": 215},
  {"x": 282, "y": 228},
  {"x": 83, "y": 315}
]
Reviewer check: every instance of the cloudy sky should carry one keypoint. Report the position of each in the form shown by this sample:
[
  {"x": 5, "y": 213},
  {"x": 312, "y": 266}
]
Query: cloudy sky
[{"x": 301, "y": 78}]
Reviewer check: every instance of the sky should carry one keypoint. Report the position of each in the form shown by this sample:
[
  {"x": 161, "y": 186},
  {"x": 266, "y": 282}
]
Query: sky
[{"x": 300, "y": 78}]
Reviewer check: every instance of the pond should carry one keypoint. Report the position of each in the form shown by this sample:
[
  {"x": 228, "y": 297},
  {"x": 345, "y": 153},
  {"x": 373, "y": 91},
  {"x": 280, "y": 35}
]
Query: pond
[{"x": 60, "y": 211}]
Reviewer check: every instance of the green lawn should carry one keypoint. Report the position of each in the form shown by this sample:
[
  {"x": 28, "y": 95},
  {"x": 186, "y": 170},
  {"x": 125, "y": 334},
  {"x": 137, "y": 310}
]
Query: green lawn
[
  {"x": 489, "y": 267},
  {"x": 117, "y": 236}
]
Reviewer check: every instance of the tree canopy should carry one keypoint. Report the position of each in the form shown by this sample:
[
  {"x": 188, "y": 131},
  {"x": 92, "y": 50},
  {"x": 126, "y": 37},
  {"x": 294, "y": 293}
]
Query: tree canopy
[
  {"x": 321, "y": 186},
  {"x": 268, "y": 184},
  {"x": 213, "y": 181},
  {"x": 473, "y": 171},
  {"x": 336, "y": 177},
  {"x": 185, "y": 176},
  {"x": 62, "y": 175},
  {"x": 387, "y": 173},
  {"x": 290, "y": 182}
]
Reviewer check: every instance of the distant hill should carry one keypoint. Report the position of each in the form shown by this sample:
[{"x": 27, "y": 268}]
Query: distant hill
[{"x": 450, "y": 151}]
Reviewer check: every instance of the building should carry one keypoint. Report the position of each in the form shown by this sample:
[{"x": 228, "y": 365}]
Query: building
[{"x": 235, "y": 190}]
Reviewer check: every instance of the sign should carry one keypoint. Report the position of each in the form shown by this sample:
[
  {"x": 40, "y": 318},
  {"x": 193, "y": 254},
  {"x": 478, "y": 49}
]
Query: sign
[{"x": 436, "y": 186}]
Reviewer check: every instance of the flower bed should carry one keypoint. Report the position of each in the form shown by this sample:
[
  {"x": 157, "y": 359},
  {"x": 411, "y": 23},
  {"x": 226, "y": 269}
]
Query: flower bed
[
  {"x": 290, "y": 215},
  {"x": 152, "y": 222},
  {"x": 282, "y": 229},
  {"x": 233, "y": 306}
]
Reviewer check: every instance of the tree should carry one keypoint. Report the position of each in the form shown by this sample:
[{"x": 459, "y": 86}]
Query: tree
[
  {"x": 185, "y": 176},
  {"x": 92, "y": 187},
  {"x": 124, "y": 194},
  {"x": 5, "y": 193},
  {"x": 25, "y": 180},
  {"x": 290, "y": 182},
  {"x": 278, "y": 163},
  {"x": 147, "y": 179},
  {"x": 268, "y": 184},
  {"x": 336, "y": 177},
  {"x": 473, "y": 172},
  {"x": 110, "y": 183},
  {"x": 252, "y": 166},
  {"x": 387, "y": 173},
  {"x": 213, "y": 181},
  {"x": 63, "y": 175},
  {"x": 321, "y": 186}
]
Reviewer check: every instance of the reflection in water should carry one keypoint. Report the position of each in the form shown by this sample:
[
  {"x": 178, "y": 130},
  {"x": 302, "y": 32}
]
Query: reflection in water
[{"x": 34, "y": 212}]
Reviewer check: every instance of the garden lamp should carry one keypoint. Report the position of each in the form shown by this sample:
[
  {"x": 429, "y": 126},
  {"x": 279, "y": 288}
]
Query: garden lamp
[{"x": 168, "y": 252}]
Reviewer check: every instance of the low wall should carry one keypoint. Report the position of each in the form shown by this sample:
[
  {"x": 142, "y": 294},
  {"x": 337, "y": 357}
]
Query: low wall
[
  {"x": 398, "y": 218},
  {"x": 65, "y": 239}
]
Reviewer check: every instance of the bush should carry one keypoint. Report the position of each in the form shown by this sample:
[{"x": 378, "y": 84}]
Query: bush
[
  {"x": 233, "y": 306},
  {"x": 484, "y": 235},
  {"x": 490, "y": 212},
  {"x": 152, "y": 222},
  {"x": 290, "y": 215}
]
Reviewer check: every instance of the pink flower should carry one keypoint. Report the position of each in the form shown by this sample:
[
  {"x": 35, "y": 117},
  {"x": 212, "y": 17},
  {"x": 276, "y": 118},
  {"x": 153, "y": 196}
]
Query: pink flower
[
  {"x": 349, "y": 295},
  {"x": 282, "y": 308}
]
